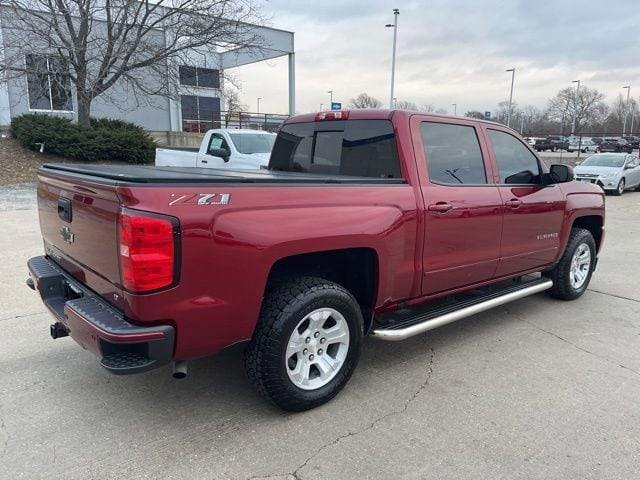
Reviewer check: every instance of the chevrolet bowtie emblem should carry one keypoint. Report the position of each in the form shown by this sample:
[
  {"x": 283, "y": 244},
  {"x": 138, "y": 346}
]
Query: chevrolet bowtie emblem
[{"x": 67, "y": 235}]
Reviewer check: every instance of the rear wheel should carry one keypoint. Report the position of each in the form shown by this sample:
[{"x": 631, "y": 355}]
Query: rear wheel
[
  {"x": 306, "y": 344},
  {"x": 573, "y": 272}
]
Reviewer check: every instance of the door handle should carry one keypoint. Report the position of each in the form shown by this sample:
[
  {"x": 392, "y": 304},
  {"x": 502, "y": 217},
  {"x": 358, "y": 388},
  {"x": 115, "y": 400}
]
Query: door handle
[
  {"x": 513, "y": 203},
  {"x": 204, "y": 161},
  {"x": 440, "y": 207}
]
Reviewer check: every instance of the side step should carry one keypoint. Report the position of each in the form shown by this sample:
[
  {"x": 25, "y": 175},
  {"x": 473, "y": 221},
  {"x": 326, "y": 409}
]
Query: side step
[{"x": 435, "y": 317}]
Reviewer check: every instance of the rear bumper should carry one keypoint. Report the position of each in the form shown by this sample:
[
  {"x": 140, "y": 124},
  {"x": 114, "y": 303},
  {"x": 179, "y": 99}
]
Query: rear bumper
[{"x": 122, "y": 347}]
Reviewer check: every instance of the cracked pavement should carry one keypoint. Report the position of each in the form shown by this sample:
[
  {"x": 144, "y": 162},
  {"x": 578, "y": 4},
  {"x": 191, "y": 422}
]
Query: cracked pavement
[{"x": 536, "y": 389}]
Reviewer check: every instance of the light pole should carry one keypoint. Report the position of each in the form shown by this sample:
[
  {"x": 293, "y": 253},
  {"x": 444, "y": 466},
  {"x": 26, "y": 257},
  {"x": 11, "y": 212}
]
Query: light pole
[
  {"x": 321, "y": 106},
  {"x": 330, "y": 92},
  {"x": 455, "y": 108},
  {"x": 394, "y": 102},
  {"x": 259, "y": 98},
  {"x": 575, "y": 107},
  {"x": 513, "y": 76},
  {"x": 626, "y": 109},
  {"x": 396, "y": 12}
]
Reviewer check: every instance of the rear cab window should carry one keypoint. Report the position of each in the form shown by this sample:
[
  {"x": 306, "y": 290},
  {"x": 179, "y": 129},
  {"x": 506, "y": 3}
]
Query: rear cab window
[
  {"x": 357, "y": 148},
  {"x": 453, "y": 154}
]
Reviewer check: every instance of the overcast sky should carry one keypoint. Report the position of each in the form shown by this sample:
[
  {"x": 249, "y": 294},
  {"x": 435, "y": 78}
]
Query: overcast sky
[{"x": 449, "y": 51}]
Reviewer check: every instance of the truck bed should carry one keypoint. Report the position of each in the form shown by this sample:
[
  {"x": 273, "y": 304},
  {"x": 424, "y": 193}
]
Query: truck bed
[{"x": 148, "y": 174}]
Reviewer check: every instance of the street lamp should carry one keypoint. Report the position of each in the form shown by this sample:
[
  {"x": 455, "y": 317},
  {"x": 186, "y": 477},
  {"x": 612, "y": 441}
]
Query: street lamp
[
  {"x": 396, "y": 12},
  {"x": 626, "y": 109},
  {"x": 513, "y": 75},
  {"x": 455, "y": 108},
  {"x": 259, "y": 98},
  {"x": 575, "y": 107}
]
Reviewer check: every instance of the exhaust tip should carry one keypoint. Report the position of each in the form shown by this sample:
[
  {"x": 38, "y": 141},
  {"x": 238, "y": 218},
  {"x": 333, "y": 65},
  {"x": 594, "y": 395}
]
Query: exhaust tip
[{"x": 179, "y": 370}]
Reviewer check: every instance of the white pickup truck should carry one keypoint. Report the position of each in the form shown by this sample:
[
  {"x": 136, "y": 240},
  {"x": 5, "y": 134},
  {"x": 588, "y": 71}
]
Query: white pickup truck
[{"x": 222, "y": 148}]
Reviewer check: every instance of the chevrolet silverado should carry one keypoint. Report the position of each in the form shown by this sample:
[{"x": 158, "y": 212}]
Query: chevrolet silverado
[{"x": 367, "y": 222}]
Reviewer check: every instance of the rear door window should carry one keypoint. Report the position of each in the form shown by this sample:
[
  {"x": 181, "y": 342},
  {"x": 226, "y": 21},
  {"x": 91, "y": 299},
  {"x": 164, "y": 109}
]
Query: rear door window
[
  {"x": 453, "y": 154},
  {"x": 359, "y": 148},
  {"x": 516, "y": 163}
]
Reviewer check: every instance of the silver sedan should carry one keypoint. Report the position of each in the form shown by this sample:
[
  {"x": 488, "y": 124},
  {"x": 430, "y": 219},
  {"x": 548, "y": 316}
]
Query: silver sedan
[{"x": 614, "y": 172}]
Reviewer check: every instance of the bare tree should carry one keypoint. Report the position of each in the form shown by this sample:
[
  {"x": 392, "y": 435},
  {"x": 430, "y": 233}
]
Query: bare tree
[
  {"x": 475, "y": 114},
  {"x": 233, "y": 106},
  {"x": 364, "y": 100},
  {"x": 587, "y": 108},
  {"x": 406, "y": 105},
  {"x": 137, "y": 44},
  {"x": 427, "y": 108}
]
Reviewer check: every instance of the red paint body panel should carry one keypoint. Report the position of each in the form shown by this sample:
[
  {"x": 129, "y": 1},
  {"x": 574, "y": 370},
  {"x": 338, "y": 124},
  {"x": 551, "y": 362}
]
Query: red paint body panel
[{"x": 227, "y": 251}]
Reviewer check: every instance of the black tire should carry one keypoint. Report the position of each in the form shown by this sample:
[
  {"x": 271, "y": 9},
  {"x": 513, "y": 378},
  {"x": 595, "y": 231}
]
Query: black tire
[
  {"x": 560, "y": 274},
  {"x": 283, "y": 308},
  {"x": 620, "y": 188}
]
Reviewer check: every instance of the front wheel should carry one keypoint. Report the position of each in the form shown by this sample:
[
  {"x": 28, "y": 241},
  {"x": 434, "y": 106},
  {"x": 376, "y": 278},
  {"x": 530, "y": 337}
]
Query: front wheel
[
  {"x": 573, "y": 272},
  {"x": 306, "y": 344},
  {"x": 620, "y": 188}
]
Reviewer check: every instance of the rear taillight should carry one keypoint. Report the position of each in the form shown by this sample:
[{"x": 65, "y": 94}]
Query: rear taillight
[{"x": 148, "y": 246}]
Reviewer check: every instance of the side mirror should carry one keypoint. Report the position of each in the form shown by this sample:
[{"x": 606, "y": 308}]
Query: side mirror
[
  {"x": 559, "y": 174},
  {"x": 220, "y": 152}
]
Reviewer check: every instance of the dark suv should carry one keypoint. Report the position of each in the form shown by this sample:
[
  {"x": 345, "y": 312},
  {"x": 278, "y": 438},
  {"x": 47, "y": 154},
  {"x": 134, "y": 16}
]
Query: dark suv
[{"x": 616, "y": 145}]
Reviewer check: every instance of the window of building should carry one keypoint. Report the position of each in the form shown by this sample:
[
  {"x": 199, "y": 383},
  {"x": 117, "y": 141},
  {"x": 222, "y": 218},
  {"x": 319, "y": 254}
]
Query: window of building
[
  {"x": 516, "y": 163},
  {"x": 453, "y": 154},
  {"x": 199, "y": 77},
  {"x": 199, "y": 114},
  {"x": 359, "y": 148},
  {"x": 48, "y": 83}
]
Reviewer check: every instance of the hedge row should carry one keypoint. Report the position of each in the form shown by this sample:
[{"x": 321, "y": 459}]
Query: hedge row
[{"x": 105, "y": 140}]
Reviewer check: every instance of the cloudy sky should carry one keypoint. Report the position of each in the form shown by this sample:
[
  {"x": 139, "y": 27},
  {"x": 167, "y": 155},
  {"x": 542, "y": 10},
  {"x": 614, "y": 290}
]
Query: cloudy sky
[{"x": 449, "y": 51}]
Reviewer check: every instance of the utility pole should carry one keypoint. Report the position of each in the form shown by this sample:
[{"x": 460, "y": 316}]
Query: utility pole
[
  {"x": 259, "y": 98},
  {"x": 626, "y": 109},
  {"x": 575, "y": 107},
  {"x": 455, "y": 108},
  {"x": 396, "y": 12},
  {"x": 330, "y": 92},
  {"x": 513, "y": 76}
]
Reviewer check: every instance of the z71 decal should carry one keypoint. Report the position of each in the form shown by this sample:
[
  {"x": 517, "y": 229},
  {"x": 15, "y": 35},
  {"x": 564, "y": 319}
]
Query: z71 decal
[{"x": 199, "y": 199}]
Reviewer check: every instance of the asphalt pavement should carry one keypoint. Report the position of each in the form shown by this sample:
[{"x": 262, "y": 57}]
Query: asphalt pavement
[{"x": 536, "y": 389}]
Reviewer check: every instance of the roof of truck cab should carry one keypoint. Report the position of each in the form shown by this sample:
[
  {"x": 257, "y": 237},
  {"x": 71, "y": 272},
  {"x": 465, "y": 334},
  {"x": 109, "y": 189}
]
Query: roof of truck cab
[{"x": 385, "y": 114}]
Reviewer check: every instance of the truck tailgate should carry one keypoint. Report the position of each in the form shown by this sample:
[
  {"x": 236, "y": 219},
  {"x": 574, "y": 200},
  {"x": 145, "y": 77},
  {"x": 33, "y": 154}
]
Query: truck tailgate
[{"x": 79, "y": 221}]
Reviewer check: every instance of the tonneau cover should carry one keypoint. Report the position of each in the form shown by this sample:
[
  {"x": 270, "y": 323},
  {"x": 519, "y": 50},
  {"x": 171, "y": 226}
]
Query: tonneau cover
[{"x": 162, "y": 175}]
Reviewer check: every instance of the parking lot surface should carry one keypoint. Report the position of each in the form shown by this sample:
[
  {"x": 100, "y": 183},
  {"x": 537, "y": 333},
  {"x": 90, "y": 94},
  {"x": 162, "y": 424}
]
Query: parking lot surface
[{"x": 536, "y": 389}]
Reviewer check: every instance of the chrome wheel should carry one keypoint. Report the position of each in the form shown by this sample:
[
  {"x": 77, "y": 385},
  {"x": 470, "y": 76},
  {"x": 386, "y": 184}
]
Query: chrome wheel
[
  {"x": 317, "y": 349},
  {"x": 580, "y": 266},
  {"x": 621, "y": 187}
]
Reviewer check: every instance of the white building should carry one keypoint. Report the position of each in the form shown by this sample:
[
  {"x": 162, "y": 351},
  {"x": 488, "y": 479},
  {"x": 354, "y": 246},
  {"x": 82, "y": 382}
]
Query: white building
[{"x": 200, "y": 86}]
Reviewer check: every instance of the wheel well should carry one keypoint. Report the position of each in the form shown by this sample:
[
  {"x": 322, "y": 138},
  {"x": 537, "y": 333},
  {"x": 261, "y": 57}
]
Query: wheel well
[
  {"x": 593, "y": 223},
  {"x": 356, "y": 269}
]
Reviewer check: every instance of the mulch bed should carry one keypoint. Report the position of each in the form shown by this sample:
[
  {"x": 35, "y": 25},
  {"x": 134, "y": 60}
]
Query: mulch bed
[{"x": 20, "y": 165}]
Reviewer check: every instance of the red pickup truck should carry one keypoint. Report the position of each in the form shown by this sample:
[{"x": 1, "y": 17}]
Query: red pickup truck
[{"x": 370, "y": 222}]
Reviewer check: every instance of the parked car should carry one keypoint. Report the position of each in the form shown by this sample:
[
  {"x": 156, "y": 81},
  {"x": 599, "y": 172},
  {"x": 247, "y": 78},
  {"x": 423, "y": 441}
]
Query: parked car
[
  {"x": 615, "y": 145},
  {"x": 614, "y": 172},
  {"x": 222, "y": 148},
  {"x": 597, "y": 140},
  {"x": 633, "y": 141},
  {"x": 367, "y": 222},
  {"x": 584, "y": 146},
  {"x": 553, "y": 143}
]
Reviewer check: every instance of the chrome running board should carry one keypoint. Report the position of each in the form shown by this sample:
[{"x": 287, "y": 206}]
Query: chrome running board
[{"x": 428, "y": 321}]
